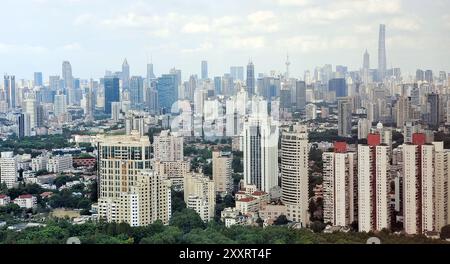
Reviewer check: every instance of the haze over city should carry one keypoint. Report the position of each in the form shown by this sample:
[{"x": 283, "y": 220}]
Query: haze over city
[{"x": 96, "y": 35}]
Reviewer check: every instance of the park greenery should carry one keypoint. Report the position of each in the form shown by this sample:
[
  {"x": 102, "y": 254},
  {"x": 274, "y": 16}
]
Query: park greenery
[
  {"x": 186, "y": 227},
  {"x": 30, "y": 145}
]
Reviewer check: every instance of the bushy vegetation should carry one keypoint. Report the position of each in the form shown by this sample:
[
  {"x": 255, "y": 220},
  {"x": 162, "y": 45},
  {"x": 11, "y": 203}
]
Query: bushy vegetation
[
  {"x": 186, "y": 229},
  {"x": 26, "y": 145}
]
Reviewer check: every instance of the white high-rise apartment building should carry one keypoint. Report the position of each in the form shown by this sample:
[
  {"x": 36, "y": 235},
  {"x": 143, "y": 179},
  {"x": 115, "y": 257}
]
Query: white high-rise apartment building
[
  {"x": 441, "y": 185},
  {"x": 222, "y": 172},
  {"x": 363, "y": 128},
  {"x": 311, "y": 111},
  {"x": 294, "y": 173},
  {"x": 30, "y": 109},
  {"x": 8, "y": 169},
  {"x": 260, "y": 147},
  {"x": 373, "y": 198},
  {"x": 60, "y": 105},
  {"x": 340, "y": 186},
  {"x": 425, "y": 186},
  {"x": 168, "y": 147},
  {"x": 200, "y": 195}
]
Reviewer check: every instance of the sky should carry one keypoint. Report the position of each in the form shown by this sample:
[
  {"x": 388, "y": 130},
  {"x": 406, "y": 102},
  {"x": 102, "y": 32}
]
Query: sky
[{"x": 96, "y": 35}]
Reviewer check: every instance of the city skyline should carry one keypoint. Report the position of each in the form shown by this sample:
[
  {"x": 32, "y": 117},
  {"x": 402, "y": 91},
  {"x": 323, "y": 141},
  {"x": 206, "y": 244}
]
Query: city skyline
[{"x": 182, "y": 35}]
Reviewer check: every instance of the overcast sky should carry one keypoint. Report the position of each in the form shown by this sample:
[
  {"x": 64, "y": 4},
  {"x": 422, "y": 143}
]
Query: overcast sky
[{"x": 96, "y": 35}]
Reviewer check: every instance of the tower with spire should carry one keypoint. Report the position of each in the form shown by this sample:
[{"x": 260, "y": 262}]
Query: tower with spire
[
  {"x": 288, "y": 63},
  {"x": 125, "y": 75}
]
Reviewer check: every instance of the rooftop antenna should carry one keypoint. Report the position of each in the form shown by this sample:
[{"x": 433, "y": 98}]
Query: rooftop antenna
[{"x": 288, "y": 63}]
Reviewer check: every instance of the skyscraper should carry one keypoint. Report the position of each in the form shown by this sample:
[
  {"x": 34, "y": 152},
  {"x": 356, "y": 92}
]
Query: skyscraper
[
  {"x": 222, "y": 172},
  {"x": 260, "y": 146},
  {"x": 382, "y": 53},
  {"x": 168, "y": 147},
  {"x": 434, "y": 116},
  {"x": 300, "y": 95},
  {"x": 237, "y": 73},
  {"x": 125, "y": 75},
  {"x": 38, "y": 79},
  {"x": 60, "y": 104},
  {"x": 339, "y": 86},
  {"x": 204, "y": 70},
  {"x": 200, "y": 195},
  {"x": 10, "y": 90},
  {"x": 67, "y": 79},
  {"x": 340, "y": 186},
  {"x": 429, "y": 76},
  {"x": 129, "y": 191},
  {"x": 366, "y": 60},
  {"x": 8, "y": 169},
  {"x": 30, "y": 109},
  {"x": 217, "y": 85},
  {"x": 112, "y": 93},
  {"x": 373, "y": 185},
  {"x": 150, "y": 73},
  {"x": 250, "y": 79},
  {"x": 136, "y": 92},
  {"x": 167, "y": 88},
  {"x": 294, "y": 174},
  {"x": 345, "y": 117},
  {"x": 418, "y": 174}
]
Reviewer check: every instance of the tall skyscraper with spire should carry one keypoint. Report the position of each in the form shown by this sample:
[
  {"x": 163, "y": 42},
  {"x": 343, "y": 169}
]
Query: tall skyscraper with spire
[
  {"x": 382, "y": 53},
  {"x": 366, "y": 67},
  {"x": 366, "y": 61},
  {"x": 125, "y": 74},
  {"x": 250, "y": 79}
]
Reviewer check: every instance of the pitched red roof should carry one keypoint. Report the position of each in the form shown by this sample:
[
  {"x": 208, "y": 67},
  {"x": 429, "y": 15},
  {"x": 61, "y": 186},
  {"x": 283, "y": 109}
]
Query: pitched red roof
[
  {"x": 25, "y": 196},
  {"x": 259, "y": 193},
  {"x": 247, "y": 199}
]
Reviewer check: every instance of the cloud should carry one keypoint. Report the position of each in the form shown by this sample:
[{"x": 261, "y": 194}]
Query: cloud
[
  {"x": 72, "y": 47},
  {"x": 196, "y": 28},
  {"x": 30, "y": 49},
  {"x": 316, "y": 43},
  {"x": 405, "y": 23},
  {"x": 202, "y": 48},
  {"x": 293, "y": 2},
  {"x": 322, "y": 16},
  {"x": 260, "y": 17},
  {"x": 245, "y": 43},
  {"x": 84, "y": 19},
  {"x": 446, "y": 20}
]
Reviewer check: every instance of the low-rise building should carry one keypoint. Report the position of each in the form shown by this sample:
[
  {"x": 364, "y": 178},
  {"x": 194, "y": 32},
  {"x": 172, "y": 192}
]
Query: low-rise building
[
  {"x": 4, "y": 200},
  {"x": 26, "y": 201},
  {"x": 272, "y": 211},
  {"x": 59, "y": 164}
]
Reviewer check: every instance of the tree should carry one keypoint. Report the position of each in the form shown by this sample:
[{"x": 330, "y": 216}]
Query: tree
[
  {"x": 445, "y": 232},
  {"x": 186, "y": 220},
  {"x": 281, "y": 220},
  {"x": 170, "y": 235},
  {"x": 93, "y": 192},
  {"x": 178, "y": 203},
  {"x": 3, "y": 188},
  {"x": 317, "y": 226}
]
